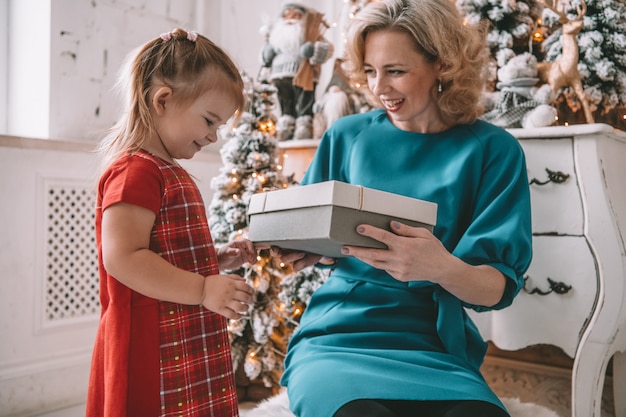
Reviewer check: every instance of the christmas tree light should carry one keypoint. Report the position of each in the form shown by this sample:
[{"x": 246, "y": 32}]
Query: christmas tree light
[{"x": 259, "y": 340}]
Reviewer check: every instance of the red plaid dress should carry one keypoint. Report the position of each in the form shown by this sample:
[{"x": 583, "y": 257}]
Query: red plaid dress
[{"x": 155, "y": 358}]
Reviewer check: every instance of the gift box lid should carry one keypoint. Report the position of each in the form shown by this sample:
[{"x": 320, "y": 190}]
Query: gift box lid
[{"x": 344, "y": 195}]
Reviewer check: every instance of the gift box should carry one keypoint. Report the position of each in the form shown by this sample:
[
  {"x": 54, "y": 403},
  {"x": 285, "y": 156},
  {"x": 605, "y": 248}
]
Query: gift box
[{"x": 321, "y": 218}]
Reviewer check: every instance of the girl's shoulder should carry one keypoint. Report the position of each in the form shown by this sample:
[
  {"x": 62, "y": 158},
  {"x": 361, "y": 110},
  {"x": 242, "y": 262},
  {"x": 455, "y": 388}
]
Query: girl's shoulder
[
  {"x": 144, "y": 161},
  {"x": 130, "y": 162},
  {"x": 133, "y": 179},
  {"x": 138, "y": 158}
]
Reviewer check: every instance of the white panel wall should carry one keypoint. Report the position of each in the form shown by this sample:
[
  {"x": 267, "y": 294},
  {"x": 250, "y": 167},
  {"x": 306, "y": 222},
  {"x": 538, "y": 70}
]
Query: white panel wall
[
  {"x": 43, "y": 363},
  {"x": 48, "y": 271}
]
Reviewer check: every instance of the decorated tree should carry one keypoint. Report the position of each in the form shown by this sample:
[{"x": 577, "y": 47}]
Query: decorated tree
[
  {"x": 249, "y": 165},
  {"x": 519, "y": 26},
  {"x": 510, "y": 24},
  {"x": 259, "y": 341},
  {"x": 601, "y": 51}
]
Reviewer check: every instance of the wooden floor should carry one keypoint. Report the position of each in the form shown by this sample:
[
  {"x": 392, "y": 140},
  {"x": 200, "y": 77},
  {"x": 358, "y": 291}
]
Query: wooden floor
[{"x": 541, "y": 376}]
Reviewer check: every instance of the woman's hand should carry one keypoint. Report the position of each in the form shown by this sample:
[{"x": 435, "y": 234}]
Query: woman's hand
[
  {"x": 415, "y": 254},
  {"x": 236, "y": 253}
]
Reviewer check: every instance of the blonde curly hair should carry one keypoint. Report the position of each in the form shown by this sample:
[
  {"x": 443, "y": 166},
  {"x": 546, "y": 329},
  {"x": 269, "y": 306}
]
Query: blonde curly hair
[{"x": 440, "y": 34}]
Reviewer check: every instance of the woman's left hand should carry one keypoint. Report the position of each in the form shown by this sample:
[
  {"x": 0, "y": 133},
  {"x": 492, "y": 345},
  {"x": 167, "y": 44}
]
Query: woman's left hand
[
  {"x": 413, "y": 253},
  {"x": 236, "y": 253}
]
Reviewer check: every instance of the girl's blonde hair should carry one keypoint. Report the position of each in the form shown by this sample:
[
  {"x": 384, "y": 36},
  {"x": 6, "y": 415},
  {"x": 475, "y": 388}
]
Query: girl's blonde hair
[
  {"x": 440, "y": 34},
  {"x": 188, "y": 63}
]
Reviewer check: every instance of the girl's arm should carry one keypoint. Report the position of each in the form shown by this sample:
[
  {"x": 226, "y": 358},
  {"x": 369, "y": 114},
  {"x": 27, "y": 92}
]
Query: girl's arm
[{"x": 126, "y": 255}]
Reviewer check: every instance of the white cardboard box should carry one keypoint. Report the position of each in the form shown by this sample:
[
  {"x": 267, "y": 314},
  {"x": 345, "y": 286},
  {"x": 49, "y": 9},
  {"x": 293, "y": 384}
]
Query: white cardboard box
[{"x": 321, "y": 218}]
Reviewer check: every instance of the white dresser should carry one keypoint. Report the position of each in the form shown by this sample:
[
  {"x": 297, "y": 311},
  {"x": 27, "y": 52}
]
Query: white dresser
[{"x": 575, "y": 295}]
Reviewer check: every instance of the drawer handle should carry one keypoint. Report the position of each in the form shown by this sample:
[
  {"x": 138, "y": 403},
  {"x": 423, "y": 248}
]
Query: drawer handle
[
  {"x": 556, "y": 287},
  {"x": 556, "y": 177}
]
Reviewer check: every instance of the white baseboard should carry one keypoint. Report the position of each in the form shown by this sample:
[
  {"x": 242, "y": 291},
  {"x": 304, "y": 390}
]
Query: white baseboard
[{"x": 40, "y": 387}]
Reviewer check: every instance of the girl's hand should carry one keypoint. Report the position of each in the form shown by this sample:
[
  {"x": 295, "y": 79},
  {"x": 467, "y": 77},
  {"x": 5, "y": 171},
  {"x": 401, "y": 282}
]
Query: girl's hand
[
  {"x": 236, "y": 253},
  {"x": 298, "y": 259},
  {"x": 228, "y": 295}
]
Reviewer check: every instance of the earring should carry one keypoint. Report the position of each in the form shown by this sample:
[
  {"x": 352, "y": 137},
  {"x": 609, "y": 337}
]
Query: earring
[{"x": 439, "y": 87}]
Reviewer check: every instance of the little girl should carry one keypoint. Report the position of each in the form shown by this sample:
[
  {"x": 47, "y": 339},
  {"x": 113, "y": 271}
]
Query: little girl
[{"x": 162, "y": 346}]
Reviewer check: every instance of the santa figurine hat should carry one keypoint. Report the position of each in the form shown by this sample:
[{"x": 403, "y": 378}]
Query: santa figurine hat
[{"x": 292, "y": 5}]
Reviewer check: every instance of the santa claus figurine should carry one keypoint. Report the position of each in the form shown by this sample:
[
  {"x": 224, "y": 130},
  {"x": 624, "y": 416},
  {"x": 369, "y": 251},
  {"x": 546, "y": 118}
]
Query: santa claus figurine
[{"x": 294, "y": 52}]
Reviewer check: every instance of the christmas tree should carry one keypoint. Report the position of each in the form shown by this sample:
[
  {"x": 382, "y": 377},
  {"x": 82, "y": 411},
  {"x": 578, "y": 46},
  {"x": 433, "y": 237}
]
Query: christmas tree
[
  {"x": 518, "y": 26},
  {"x": 249, "y": 164},
  {"x": 510, "y": 24},
  {"x": 602, "y": 57},
  {"x": 259, "y": 341}
]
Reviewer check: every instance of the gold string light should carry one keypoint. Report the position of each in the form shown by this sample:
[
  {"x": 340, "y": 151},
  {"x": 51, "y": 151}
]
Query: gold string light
[{"x": 538, "y": 34}]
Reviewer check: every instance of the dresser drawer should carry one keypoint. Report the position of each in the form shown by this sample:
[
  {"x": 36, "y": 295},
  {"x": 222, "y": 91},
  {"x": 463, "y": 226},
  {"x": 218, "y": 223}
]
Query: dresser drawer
[
  {"x": 555, "y": 195},
  {"x": 556, "y": 319}
]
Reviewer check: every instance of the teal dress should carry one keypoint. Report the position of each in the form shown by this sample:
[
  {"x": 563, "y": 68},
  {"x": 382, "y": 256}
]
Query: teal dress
[{"x": 365, "y": 334}]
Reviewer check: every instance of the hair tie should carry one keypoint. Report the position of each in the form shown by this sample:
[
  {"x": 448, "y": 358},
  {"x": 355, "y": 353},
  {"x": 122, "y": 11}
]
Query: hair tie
[
  {"x": 192, "y": 36},
  {"x": 166, "y": 36}
]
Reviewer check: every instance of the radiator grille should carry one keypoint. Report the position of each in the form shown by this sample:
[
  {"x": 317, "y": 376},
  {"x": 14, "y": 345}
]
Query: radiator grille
[{"x": 71, "y": 268}]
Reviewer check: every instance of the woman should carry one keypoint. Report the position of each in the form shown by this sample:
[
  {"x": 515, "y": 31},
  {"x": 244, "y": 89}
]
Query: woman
[{"x": 387, "y": 334}]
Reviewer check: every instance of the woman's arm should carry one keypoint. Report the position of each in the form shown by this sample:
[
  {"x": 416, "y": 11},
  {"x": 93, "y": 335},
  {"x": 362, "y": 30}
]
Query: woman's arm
[{"x": 415, "y": 254}]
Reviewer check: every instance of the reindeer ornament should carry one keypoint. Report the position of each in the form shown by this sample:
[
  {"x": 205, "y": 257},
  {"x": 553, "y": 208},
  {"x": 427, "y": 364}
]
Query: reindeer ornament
[{"x": 564, "y": 71}]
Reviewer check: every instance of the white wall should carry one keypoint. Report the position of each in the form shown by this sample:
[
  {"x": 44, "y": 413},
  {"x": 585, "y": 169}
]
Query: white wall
[
  {"x": 64, "y": 55},
  {"x": 28, "y": 67},
  {"x": 4, "y": 67}
]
